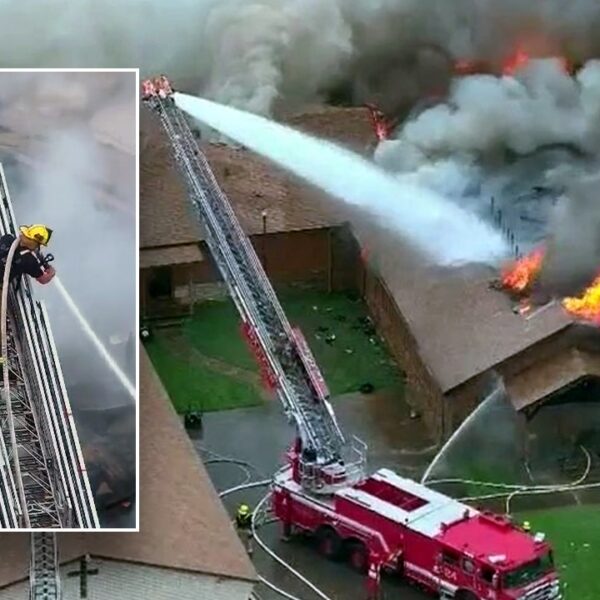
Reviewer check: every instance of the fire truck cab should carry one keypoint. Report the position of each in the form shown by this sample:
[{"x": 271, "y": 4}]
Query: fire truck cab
[{"x": 445, "y": 546}]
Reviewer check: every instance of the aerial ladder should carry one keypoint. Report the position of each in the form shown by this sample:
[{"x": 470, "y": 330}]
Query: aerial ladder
[
  {"x": 43, "y": 478},
  {"x": 44, "y": 574},
  {"x": 323, "y": 459}
]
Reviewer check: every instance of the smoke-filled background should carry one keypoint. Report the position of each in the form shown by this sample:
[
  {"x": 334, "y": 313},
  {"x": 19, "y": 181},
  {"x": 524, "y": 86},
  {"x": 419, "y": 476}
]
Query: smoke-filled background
[
  {"x": 67, "y": 141},
  {"x": 484, "y": 136}
]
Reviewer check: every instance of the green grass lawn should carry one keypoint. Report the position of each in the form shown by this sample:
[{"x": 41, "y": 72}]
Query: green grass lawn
[
  {"x": 196, "y": 387},
  {"x": 354, "y": 358},
  {"x": 575, "y": 535},
  {"x": 348, "y": 362},
  {"x": 215, "y": 331},
  {"x": 343, "y": 371}
]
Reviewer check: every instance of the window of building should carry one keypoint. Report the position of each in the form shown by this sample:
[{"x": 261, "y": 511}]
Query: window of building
[{"x": 160, "y": 284}]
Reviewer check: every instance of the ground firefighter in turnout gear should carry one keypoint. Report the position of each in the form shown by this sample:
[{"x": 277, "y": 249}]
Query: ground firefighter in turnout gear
[
  {"x": 27, "y": 259},
  {"x": 243, "y": 523}
]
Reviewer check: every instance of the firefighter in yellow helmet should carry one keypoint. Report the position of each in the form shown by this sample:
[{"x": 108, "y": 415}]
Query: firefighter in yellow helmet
[
  {"x": 527, "y": 526},
  {"x": 28, "y": 258},
  {"x": 243, "y": 523}
]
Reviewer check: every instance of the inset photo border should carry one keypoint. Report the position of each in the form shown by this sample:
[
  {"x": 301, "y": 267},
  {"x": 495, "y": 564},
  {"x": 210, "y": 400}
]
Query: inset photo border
[{"x": 69, "y": 402}]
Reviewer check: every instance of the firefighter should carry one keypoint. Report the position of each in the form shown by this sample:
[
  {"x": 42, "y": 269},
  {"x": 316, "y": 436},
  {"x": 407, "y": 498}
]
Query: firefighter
[
  {"x": 28, "y": 259},
  {"x": 527, "y": 527},
  {"x": 243, "y": 523},
  {"x": 374, "y": 579}
]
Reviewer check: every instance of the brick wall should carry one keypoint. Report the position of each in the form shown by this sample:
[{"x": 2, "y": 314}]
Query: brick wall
[
  {"x": 323, "y": 257},
  {"x": 124, "y": 581},
  {"x": 425, "y": 394}
]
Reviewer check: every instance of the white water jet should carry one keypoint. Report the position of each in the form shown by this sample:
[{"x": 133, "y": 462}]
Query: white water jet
[
  {"x": 110, "y": 361},
  {"x": 441, "y": 230},
  {"x": 493, "y": 395}
]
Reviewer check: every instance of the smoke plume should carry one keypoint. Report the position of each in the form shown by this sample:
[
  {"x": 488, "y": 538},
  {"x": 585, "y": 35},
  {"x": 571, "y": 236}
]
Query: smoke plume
[
  {"x": 254, "y": 54},
  {"x": 268, "y": 56},
  {"x": 496, "y": 134}
]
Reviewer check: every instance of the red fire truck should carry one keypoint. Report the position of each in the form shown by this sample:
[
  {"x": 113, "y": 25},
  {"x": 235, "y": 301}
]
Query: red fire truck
[{"x": 447, "y": 547}]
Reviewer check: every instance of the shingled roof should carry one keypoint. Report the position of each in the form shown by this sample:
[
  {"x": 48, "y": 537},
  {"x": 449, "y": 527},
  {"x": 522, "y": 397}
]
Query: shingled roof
[{"x": 183, "y": 524}]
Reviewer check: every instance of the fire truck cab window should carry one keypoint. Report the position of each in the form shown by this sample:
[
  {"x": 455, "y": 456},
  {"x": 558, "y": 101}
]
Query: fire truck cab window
[
  {"x": 449, "y": 558},
  {"x": 487, "y": 574},
  {"x": 468, "y": 565}
]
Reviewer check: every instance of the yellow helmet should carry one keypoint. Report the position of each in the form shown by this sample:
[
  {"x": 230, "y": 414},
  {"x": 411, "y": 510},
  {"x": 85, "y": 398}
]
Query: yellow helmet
[
  {"x": 38, "y": 233},
  {"x": 244, "y": 509},
  {"x": 527, "y": 526}
]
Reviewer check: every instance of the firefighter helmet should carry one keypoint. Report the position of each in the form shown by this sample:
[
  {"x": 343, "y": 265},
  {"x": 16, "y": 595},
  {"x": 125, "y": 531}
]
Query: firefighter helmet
[
  {"x": 243, "y": 510},
  {"x": 37, "y": 233}
]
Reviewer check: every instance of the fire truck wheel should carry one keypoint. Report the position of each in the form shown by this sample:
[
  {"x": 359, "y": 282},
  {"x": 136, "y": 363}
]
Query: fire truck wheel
[
  {"x": 328, "y": 542},
  {"x": 358, "y": 557}
]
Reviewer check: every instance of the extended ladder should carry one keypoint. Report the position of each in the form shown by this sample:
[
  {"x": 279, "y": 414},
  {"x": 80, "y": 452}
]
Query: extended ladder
[
  {"x": 44, "y": 574},
  {"x": 297, "y": 378},
  {"x": 53, "y": 478}
]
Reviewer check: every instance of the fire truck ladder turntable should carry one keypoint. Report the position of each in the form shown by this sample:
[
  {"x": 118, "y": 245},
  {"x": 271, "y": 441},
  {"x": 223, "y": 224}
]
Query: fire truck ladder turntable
[
  {"x": 43, "y": 479},
  {"x": 327, "y": 459}
]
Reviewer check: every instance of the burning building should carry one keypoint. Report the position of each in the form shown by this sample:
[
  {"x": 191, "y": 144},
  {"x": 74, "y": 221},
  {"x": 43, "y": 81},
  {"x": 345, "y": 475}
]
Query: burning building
[{"x": 446, "y": 327}]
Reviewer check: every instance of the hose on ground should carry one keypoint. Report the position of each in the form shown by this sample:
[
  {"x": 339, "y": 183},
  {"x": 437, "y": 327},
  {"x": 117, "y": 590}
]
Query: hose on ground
[
  {"x": 245, "y": 486},
  {"x": 518, "y": 487},
  {"x": 261, "y": 543},
  {"x": 238, "y": 463},
  {"x": 280, "y": 560}
]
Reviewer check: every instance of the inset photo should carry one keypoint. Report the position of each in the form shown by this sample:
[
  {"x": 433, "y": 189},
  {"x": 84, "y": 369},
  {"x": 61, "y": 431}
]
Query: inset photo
[{"x": 68, "y": 255}]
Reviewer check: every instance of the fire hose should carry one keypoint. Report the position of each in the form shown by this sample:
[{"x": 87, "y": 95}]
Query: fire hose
[
  {"x": 7, "y": 398},
  {"x": 280, "y": 560},
  {"x": 255, "y": 525},
  {"x": 525, "y": 490}
]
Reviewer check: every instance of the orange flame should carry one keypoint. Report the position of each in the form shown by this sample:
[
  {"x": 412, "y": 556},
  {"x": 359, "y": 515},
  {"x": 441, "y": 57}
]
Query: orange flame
[
  {"x": 515, "y": 62},
  {"x": 520, "y": 275},
  {"x": 587, "y": 306}
]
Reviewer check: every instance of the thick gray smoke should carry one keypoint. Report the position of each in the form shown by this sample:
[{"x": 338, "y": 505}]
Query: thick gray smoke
[
  {"x": 270, "y": 55},
  {"x": 494, "y": 134},
  {"x": 76, "y": 166},
  {"x": 574, "y": 246},
  {"x": 254, "y": 53}
]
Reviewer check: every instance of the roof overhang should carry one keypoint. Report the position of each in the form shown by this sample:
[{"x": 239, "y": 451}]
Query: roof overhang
[
  {"x": 551, "y": 375},
  {"x": 170, "y": 255}
]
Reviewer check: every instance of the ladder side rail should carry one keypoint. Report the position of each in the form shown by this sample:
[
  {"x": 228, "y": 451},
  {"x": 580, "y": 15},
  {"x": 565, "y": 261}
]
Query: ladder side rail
[
  {"x": 50, "y": 416},
  {"x": 69, "y": 428},
  {"x": 8, "y": 493},
  {"x": 80, "y": 492},
  {"x": 220, "y": 246},
  {"x": 56, "y": 486},
  {"x": 176, "y": 137},
  {"x": 255, "y": 266},
  {"x": 232, "y": 221}
]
